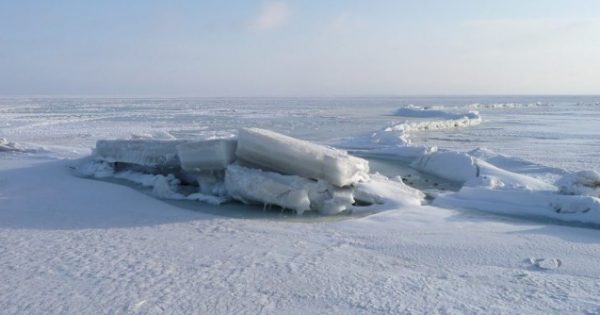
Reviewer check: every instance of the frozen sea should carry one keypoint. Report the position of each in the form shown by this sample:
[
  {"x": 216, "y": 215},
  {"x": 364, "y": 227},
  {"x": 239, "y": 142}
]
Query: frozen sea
[
  {"x": 75, "y": 245},
  {"x": 558, "y": 131}
]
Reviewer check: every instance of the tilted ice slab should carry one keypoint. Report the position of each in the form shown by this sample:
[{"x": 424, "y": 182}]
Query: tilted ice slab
[
  {"x": 288, "y": 155},
  {"x": 146, "y": 152},
  {"x": 206, "y": 155}
]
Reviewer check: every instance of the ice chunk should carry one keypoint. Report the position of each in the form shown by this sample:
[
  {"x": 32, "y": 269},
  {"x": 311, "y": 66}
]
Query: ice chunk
[
  {"x": 381, "y": 190},
  {"x": 252, "y": 185},
  {"x": 580, "y": 183},
  {"x": 206, "y": 155},
  {"x": 211, "y": 183},
  {"x": 141, "y": 152},
  {"x": 293, "y": 156},
  {"x": 287, "y": 191}
]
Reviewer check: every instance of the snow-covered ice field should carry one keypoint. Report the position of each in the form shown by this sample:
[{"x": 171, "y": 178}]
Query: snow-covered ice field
[{"x": 510, "y": 226}]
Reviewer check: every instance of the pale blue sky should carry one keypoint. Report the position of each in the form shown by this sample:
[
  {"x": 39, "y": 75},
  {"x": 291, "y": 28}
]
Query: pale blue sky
[{"x": 299, "y": 48}]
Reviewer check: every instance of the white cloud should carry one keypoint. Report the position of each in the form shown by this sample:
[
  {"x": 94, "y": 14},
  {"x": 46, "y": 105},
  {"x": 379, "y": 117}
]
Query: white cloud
[{"x": 272, "y": 15}]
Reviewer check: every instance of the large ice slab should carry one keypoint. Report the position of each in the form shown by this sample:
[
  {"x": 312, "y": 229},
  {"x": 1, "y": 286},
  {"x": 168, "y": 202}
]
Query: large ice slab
[
  {"x": 206, "y": 155},
  {"x": 293, "y": 156},
  {"x": 144, "y": 152}
]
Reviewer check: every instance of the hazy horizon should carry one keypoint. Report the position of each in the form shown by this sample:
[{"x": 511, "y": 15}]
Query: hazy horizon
[{"x": 294, "y": 49}]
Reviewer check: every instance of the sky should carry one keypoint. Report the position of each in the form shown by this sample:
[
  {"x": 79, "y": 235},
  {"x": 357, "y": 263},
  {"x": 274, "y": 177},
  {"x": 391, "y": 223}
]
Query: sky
[{"x": 299, "y": 48}]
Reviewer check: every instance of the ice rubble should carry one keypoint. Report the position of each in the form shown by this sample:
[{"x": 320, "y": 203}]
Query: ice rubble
[
  {"x": 271, "y": 169},
  {"x": 288, "y": 155}
]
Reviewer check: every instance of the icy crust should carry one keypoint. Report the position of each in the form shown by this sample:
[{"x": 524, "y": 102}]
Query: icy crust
[
  {"x": 206, "y": 155},
  {"x": 147, "y": 152},
  {"x": 288, "y": 155}
]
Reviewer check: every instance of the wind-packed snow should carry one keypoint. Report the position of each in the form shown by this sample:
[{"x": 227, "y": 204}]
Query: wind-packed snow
[{"x": 293, "y": 156}]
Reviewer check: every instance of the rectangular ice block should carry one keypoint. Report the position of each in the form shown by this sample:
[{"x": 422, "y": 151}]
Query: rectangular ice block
[
  {"x": 142, "y": 152},
  {"x": 206, "y": 155},
  {"x": 298, "y": 157}
]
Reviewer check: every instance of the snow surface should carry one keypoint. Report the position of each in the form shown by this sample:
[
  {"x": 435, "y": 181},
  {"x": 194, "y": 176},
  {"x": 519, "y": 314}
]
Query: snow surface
[{"x": 504, "y": 243}]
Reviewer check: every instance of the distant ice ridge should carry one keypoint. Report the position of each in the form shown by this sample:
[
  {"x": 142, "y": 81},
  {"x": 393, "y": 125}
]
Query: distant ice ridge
[
  {"x": 260, "y": 166},
  {"x": 388, "y": 139},
  {"x": 505, "y": 105}
]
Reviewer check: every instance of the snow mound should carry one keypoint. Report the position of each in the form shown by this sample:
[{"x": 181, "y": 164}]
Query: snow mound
[
  {"x": 580, "y": 183},
  {"x": 288, "y": 155}
]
